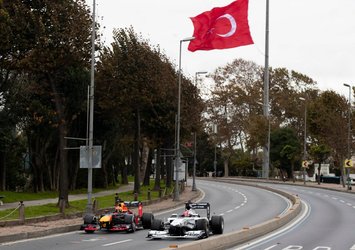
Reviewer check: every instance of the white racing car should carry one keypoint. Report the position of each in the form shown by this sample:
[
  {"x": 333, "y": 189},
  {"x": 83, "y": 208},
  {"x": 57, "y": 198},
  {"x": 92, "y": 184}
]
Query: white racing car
[{"x": 189, "y": 225}]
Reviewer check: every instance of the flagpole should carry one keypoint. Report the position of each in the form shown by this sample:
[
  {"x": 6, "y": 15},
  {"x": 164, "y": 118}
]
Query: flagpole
[{"x": 266, "y": 149}]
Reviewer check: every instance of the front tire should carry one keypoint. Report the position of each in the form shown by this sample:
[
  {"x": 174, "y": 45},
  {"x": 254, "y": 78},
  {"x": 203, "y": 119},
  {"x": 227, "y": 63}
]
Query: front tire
[
  {"x": 157, "y": 225},
  {"x": 217, "y": 224},
  {"x": 203, "y": 226}
]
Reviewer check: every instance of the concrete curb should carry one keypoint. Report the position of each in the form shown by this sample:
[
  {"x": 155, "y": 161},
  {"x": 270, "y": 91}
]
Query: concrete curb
[
  {"x": 248, "y": 233},
  {"x": 71, "y": 228}
]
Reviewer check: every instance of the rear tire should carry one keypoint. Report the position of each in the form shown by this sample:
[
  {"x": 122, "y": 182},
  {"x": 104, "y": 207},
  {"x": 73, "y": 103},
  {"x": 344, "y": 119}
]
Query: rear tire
[
  {"x": 217, "y": 224},
  {"x": 157, "y": 225},
  {"x": 89, "y": 219},
  {"x": 147, "y": 219}
]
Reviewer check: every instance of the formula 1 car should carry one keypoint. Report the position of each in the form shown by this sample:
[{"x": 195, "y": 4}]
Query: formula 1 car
[
  {"x": 189, "y": 225},
  {"x": 122, "y": 219}
]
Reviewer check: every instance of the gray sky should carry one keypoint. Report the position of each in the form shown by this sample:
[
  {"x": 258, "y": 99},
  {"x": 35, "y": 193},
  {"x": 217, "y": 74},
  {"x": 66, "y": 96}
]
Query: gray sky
[{"x": 313, "y": 37}]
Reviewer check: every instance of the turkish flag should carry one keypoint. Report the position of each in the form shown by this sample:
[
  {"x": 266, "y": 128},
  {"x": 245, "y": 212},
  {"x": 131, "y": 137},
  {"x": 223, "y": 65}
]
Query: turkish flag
[{"x": 222, "y": 27}]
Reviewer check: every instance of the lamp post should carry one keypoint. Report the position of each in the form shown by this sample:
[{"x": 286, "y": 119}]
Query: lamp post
[
  {"x": 215, "y": 151},
  {"x": 177, "y": 153},
  {"x": 304, "y": 138},
  {"x": 194, "y": 166},
  {"x": 91, "y": 111},
  {"x": 266, "y": 150},
  {"x": 349, "y": 136},
  {"x": 266, "y": 154}
]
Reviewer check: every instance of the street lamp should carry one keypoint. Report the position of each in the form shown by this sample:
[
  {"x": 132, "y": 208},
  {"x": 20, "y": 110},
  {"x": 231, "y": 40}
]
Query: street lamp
[
  {"x": 194, "y": 167},
  {"x": 349, "y": 136},
  {"x": 177, "y": 155},
  {"x": 304, "y": 138},
  {"x": 91, "y": 112},
  {"x": 215, "y": 150},
  {"x": 266, "y": 148},
  {"x": 266, "y": 154}
]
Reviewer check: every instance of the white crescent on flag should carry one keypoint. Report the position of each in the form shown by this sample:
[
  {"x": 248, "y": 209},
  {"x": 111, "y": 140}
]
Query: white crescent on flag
[{"x": 233, "y": 25}]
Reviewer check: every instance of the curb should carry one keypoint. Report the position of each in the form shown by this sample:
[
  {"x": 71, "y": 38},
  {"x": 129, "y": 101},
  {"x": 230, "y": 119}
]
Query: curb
[{"x": 246, "y": 234}]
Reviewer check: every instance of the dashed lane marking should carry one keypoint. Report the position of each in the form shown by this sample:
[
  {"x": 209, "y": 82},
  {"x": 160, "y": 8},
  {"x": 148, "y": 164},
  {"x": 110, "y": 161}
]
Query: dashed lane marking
[{"x": 117, "y": 242}]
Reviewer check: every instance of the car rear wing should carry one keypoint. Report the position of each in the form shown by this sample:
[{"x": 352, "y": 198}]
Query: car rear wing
[
  {"x": 200, "y": 205},
  {"x": 132, "y": 203}
]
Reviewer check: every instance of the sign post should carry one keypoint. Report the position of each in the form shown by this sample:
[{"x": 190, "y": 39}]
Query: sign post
[
  {"x": 304, "y": 166},
  {"x": 348, "y": 163}
]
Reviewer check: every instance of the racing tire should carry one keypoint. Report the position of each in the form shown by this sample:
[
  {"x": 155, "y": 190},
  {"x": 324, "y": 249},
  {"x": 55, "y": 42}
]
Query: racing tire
[
  {"x": 157, "y": 225},
  {"x": 203, "y": 226},
  {"x": 147, "y": 219},
  {"x": 89, "y": 219},
  {"x": 89, "y": 231},
  {"x": 217, "y": 224}
]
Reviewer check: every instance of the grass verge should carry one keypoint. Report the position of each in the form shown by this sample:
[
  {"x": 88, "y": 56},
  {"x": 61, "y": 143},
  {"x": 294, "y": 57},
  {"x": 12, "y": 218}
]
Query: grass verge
[{"x": 80, "y": 205}]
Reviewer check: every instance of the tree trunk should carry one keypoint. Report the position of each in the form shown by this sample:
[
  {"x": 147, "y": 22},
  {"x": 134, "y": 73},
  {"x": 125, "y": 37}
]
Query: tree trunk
[
  {"x": 144, "y": 159},
  {"x": 169, "y": 167},
  {"x": 2, "y": 171},
  {"x": 148, "y": 170},
  {"x": 136, "y": 155},
  {"x": 157, "y": 169},
  {"x": 124, "y": 175},
  {"x": 226, "y": 167},
  {"x": 63, "y": 175}
]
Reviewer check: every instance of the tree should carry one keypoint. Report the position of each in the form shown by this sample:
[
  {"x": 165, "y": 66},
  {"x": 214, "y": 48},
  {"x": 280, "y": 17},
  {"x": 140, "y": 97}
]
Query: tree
[
  {"x": 48, "y": 50},
  {"x": 320, "y": 153},
  {"x": 328, "y": 124},
  {"x": 136, "y": 93},
  {"x": 284, "y": 149}
]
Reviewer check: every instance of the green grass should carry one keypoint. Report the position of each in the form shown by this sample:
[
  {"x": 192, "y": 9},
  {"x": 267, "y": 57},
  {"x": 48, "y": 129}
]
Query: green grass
[
  {"x": 28, "y": 196},
  {"x": 79, "y": 205}
]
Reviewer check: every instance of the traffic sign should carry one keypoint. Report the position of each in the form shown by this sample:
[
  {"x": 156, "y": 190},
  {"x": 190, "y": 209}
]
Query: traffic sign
[
  {"x": 305, "y": 164},
  {"x": 348, "y": 163}
]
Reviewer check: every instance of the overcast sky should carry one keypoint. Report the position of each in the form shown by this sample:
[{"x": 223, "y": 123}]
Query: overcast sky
[{"x": 313, "y": 37}]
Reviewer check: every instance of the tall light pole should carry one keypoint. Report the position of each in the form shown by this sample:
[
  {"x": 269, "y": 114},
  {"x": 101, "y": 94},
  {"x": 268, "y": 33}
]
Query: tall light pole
[
  {"x": 266, "y": 150},
  {"x": 304, "y": 138},
  {"x": 194, "y": 167},
  {"x": 177, "y": 153},
  {"x": 215, "y": 150},
  {"x": 349, "y": 136},
  {"x": 266, "y": 161},
  {"x": 91, "y": 111}
]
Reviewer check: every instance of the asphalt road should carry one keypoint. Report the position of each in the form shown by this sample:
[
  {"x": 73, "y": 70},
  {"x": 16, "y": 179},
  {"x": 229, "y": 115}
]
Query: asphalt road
[
  {"x": 328, "y": 222},
  {"x": 241, "y": 206}
]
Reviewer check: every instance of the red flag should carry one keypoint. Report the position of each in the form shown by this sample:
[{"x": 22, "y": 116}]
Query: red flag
[{"x": 222, "y": 27}]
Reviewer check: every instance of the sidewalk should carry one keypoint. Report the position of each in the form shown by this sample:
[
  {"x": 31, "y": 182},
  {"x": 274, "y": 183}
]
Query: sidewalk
[{"x": 72, "y": 197}]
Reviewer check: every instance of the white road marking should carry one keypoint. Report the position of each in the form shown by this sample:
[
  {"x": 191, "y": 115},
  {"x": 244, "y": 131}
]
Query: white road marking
[
  {"x": 304, "y": 215},
  {"x": 229, "y": 211},
  {"x": 334, "y": 198},
  {"x": 349, "y": 204},
  {"x": 342, "y": 201},
  {"x": 353, "y": 247},
  {"x": 270, "y": 247},
  {"x": 117, "y": 242}
]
